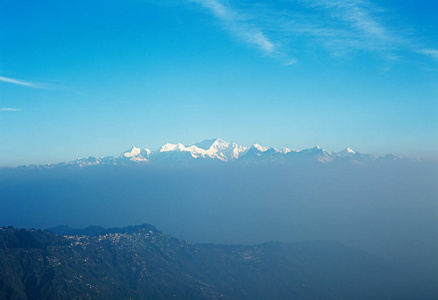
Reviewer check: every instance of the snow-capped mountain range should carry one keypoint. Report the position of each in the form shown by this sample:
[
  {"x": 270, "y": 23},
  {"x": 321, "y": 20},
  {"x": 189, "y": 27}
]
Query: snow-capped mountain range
[{"x": 222, "y": 151}]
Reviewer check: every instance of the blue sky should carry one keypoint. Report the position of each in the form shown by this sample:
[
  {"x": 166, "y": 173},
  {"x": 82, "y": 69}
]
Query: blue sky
[{"x": 81, "y": 78}]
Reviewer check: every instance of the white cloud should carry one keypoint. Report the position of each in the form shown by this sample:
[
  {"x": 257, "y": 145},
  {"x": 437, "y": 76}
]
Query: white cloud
[
  {"x": 258, "y": 39},
  {"x": 431, "y": 52},
  {"x": 20, "y": 82},
  {"x": 357, "y": 13},
  {"x": 340, "y": 26},
  {"x": 10, "y": 109},
  {"x": 239, "y": 24},
  {"x": 343, "y": 26},
  {"x": 291, "y": 62},
  {"x": 218, "y": 9},
  {"x": 286, "y": 28}
]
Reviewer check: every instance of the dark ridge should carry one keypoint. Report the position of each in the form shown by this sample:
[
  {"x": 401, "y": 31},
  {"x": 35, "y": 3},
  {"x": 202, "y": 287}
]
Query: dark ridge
[
  {"x": 145, "y": 263},
  {"x": 13, "y": 238},
  {"x": 98, "y": 230}
]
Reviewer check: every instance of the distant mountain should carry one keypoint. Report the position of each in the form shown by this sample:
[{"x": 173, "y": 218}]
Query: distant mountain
[
  {"x": 346, "y": 152},
  {"x": 222, "y": 151},
  {"x": 141, "y": 262}
]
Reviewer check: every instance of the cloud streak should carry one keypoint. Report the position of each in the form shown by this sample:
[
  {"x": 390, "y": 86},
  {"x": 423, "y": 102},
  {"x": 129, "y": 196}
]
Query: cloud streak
[
  {"x": 339, "y": 26},
  {"x": 286, "y": 28},
  {"x": 10, "y": 109},
  {"x": 357, "y": 13},
  {"x": 430, "y": 52},
  {"x": 239, "y": 24},
  {"x": 20, "y": 82}
]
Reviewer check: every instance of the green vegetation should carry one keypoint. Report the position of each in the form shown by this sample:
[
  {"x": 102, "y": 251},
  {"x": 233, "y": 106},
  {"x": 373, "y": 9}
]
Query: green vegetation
[{"x": 143, "y": 263}]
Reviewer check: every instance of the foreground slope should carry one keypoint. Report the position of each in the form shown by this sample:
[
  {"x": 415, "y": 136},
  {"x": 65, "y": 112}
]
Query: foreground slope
[{"x": 143, "y": 263}]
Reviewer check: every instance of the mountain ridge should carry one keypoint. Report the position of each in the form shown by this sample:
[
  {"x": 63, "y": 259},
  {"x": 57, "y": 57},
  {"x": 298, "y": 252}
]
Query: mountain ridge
[
  {"x": 140, "y": 262},
  {"x": 219, "y": 150}
]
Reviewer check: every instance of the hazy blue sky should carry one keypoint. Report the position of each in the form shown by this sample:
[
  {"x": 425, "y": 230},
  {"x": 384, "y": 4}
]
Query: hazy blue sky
[{"x": 81, "y": 78}]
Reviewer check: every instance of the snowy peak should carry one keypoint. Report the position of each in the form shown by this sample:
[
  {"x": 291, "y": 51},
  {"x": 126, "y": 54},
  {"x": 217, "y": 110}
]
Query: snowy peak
[
  {"x": 266, "y": 154},
  {"x": 209, "y": 149},
  {"x": 220, "y": 150},
  {"x": 317, "y": 153},
  {"x": 287, "y": 150},
  {"x": 259, "y": 148},
  {"x": 136, "y": 155},
  {"x": 172, "y": 147},
  {"x": 346, "y": 152},
  {"x": 205, "y": 144},
  {"x": 229, "y": 151},
  {"x": 219, "y": 145},
  {"x": 349, "y": 150},
  {"x": 92, "y": 160},
  {"x": 315, "y": 150},
  {"x": 134, "y": 151},
  {"x": 212, "y": 143}
]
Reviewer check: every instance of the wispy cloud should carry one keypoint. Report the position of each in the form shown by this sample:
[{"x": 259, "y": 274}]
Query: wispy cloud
[
  {"x": 10, "y": 109},
  {"x": 358, "y": 14},
  {"x": 21, "y": 82},
  {"x": 240, "y": 24},
  {"x": 430, "y": 52},
  {"x": 287, "y": 28},
  {"x": 290, "y": 62},
  {"x": 339, "y": 27}
]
